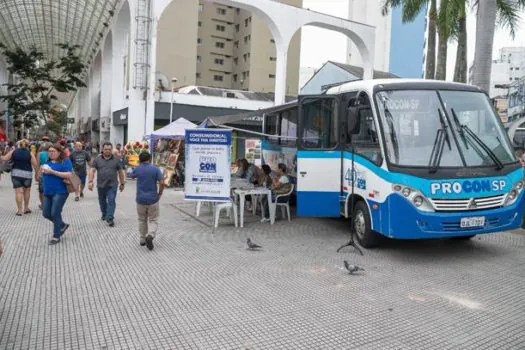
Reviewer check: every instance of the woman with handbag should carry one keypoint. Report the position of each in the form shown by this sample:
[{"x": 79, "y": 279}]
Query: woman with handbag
[
  {"x": 55, "y": 171},
  {"x": 23, "y": 163}
]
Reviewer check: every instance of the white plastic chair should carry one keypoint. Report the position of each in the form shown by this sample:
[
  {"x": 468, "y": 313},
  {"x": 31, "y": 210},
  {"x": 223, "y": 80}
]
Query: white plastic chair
[
  {"x": 228, "y": 206},
  {"x": 285, "y": 207}
]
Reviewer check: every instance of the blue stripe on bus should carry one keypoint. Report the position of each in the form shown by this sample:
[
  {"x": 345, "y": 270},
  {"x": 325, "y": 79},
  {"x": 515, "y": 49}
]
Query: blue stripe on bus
[
  {"x": 318, "y": 204},
  {"x": 318, "y": 154}
]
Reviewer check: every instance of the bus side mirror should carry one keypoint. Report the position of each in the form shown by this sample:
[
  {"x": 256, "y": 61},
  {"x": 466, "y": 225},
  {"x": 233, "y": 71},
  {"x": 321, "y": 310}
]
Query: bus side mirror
[{"x": 352, "y": 117}]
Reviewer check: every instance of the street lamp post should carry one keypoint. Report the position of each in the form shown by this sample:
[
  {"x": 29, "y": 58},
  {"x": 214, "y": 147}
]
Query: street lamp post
[{"x": 173, "y": 81}]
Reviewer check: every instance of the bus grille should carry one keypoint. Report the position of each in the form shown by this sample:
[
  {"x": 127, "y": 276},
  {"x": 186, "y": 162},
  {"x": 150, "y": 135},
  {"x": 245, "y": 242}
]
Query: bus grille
[
  {"x": 468, "y": 203},
  {"x": 456, "y": 226}
]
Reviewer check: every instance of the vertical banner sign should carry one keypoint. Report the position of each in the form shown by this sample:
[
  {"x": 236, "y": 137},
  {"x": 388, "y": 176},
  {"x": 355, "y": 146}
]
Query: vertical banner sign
[{"x": 207, "y": 167}]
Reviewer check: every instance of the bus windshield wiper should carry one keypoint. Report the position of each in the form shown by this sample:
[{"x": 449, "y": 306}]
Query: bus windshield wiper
[
  {"x": 439, "y": 145},
  {"x": 466, "y": 129}
]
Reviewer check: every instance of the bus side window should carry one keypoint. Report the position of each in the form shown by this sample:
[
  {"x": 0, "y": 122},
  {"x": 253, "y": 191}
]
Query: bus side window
[
  {"x": 319, "y": 129},
  {"x": 272, "y": 127},
  {"x": 365, "y": 138}
]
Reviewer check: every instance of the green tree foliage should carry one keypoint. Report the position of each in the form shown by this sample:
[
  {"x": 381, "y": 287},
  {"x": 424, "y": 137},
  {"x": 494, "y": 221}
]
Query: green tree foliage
[{"x": 32, "y": 94}]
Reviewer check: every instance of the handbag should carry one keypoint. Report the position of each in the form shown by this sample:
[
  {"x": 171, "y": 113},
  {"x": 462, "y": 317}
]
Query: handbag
[
  {"x": 73, "y": 183},
  {"x": 6, "y": 166}
]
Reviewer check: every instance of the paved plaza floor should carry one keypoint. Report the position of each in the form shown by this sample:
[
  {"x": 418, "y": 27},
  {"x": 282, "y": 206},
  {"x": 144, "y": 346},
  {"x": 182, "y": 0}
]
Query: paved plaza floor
[{"x": 201, "y": 289}]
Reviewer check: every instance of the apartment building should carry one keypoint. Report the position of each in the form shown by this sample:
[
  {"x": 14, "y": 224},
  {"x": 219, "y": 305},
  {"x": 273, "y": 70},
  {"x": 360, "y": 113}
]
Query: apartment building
[{"x": 208, "y": 44}]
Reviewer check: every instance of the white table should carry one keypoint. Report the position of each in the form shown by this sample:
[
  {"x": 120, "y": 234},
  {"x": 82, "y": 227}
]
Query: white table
[{"x": 242, "y": 193}]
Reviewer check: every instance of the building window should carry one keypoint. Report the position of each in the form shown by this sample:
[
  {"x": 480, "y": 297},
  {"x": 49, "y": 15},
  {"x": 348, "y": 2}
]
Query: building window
[
  {"x": 219, "y": 61},
  {"x": 246, "y": 56},
  {"x": 235, "y": 77},
  {"x": 199, "y": 41},
  {"x": 221, "y": 11},
  {"x": 273, "y": 58},
  {"x": 244, "y": 75},
  {"x": 247, "y": 38},
  {"x": 218, "y": 77},
  {"x": 516, "y": 78},
  {"x": 200, "y": 24},
  {"x": 271, "y": 76},
  {"x": 219, "y": 45},
  {"x": 236, "y": 60},
  {"x": 246, "y": 22},
  {"x": 238, "y": 11},
  {"x": 272, "y": 41},
  {"x": 237, "y": 28},
  {"x": 197, "y": 75},
  {"x": 201, "y": 7},
  {"x": 220, "y": 28},
  {"x": 510, "y": 79},
  {"x": 517, "y": 68},
  {"x": 236, "y": 44},
  {"x": 198, "y": 58},
  {"x": 511, "y": 68}
]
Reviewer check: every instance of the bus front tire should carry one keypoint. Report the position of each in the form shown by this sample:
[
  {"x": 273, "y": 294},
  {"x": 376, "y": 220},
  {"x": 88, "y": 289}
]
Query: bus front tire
[{"x": 363, "y": 227}]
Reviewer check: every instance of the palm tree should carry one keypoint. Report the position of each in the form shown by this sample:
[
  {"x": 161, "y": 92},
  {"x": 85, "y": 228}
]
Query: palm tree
[
  {"x": 412, "y": 8},
  {"x": 460, "y": 70},
  {"x": 491, "y": 13}
]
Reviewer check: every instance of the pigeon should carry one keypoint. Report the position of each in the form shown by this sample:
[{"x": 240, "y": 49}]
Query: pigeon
[
  {"x": 252, "y": 245},
  {"x": 352, "y": 268}
]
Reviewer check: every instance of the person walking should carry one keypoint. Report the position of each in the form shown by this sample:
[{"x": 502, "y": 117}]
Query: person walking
[
  {"x": 148, "y": 196},
  {"x": 41, "y": 160},
  {"x": 80, "y": 160},
  {"x": 54, "y": 172},
  {"x": 22, "y": 174},
  {"x": 110, "y": 171}
]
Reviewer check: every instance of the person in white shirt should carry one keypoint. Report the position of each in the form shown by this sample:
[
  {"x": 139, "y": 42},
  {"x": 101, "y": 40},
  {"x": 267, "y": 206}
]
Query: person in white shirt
[{"x": 277, "y": 183}]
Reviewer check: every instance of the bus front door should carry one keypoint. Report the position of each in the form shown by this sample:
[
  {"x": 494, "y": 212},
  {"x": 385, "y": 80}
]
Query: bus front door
[{"x": 318, "y": 157}]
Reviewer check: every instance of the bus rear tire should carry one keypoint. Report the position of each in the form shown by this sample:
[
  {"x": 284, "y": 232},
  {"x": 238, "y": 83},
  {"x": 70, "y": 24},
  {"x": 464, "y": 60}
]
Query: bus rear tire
[
  {"x": 463, "y": 238},
  {"x": 363, "y": 227}
]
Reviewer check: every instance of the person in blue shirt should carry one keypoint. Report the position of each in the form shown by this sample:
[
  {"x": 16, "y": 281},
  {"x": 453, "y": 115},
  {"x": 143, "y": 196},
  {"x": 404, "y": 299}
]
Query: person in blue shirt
[
  {"x": 41, "y": 160},
  {"x": 54, "y": 172},
  {"x": 148, "y": 196}
]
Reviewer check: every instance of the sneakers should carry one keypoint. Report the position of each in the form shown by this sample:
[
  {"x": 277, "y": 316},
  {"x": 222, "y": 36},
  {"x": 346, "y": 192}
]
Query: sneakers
[
  {"x": 263, "y": 220},
  {"x": 142, "y": 243},
  {"x": 64, "y": 228},
  {"x": 149, "y": 242},
  {"x": 53, "y": 241},
  {"x": 103, "y": 217},
  {"x": 77, "y": 199},
  {"x": 111, "y": 223}
]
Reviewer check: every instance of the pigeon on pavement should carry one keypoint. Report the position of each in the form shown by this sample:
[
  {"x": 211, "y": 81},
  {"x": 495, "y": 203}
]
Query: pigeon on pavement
[
  {"x": 252, "y": 245},
  {"x": 352, "y": 268}
]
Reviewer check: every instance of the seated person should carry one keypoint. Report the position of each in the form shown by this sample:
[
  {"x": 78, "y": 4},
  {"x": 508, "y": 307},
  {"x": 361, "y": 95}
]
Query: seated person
[
  {"x": 280, "y": 185},
  {"x": 265, "y": 179},
  {"x": 240, "y": 169}
]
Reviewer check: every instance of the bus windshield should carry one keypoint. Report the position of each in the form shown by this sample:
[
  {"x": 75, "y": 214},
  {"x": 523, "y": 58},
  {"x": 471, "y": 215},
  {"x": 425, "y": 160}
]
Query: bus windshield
[{"x": 413, "y": 120}]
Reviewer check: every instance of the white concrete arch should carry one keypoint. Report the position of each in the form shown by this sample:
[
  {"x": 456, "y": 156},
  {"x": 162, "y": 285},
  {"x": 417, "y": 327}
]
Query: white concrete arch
[
  {"x": 285, "y": 20},
  {"x": 120, "y": 69},
  {"x": 106, "y": 86}
]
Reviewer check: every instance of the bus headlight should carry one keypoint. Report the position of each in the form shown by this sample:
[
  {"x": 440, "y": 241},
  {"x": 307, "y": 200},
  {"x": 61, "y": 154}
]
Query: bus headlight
[
  {"x": 514, "y": 193},
  {"x": 414, "y": 196},
  {"x": 418, "y": 201}
]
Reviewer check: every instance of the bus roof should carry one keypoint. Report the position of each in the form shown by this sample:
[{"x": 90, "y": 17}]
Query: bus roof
[{"x": 406, "y": 84}]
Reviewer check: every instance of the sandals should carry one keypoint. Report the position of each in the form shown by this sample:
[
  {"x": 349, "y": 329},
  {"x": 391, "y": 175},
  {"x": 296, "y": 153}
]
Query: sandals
[{"x": 27, "y": 211}]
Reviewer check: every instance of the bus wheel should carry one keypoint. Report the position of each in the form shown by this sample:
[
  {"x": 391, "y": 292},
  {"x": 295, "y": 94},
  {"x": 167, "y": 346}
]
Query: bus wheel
[
  {"x": 363, "y": 227},
  {"x": 463, "y": 238}
]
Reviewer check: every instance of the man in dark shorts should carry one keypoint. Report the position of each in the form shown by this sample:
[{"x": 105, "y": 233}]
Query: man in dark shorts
[{"x": 80, "y": 160}]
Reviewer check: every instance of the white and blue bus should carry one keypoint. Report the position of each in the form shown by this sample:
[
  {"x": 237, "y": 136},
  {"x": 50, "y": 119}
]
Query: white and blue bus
[{"x": 430, "y": 159}]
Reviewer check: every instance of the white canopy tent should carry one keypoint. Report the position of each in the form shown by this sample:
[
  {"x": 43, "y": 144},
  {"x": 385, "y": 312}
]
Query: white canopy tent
[{"x": 175, "y": 130}]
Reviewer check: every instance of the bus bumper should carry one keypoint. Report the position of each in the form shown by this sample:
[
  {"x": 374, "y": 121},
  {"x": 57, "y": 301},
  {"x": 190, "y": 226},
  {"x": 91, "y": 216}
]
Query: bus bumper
[{"x": 398, "y": 218}]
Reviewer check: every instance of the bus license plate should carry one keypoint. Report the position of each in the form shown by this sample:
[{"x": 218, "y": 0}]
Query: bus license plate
[{"x": 477, "y": 221}]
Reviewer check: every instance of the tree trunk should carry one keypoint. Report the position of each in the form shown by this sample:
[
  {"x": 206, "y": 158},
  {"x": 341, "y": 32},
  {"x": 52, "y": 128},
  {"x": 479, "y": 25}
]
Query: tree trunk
[
  {"x": 430, "y": 68},
  {"x": 460, "y": 71},
  {"x": 441, "y": 71},
  {"x": 485, "y": 27}
]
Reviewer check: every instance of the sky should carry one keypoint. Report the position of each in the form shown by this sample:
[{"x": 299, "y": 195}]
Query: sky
[{"x": 320, "y": 45}]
